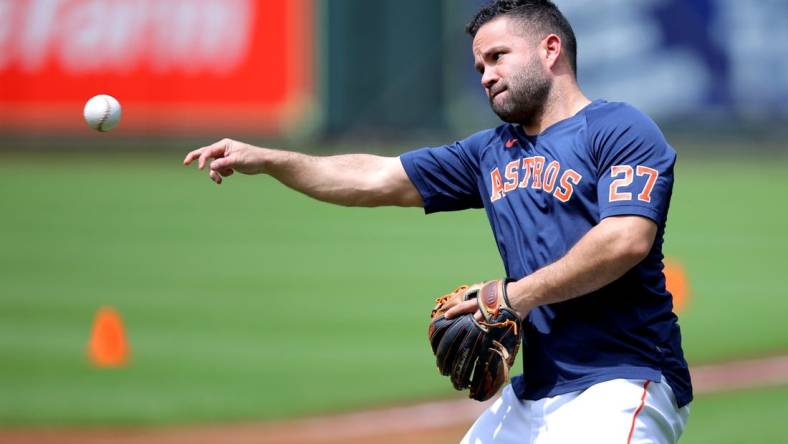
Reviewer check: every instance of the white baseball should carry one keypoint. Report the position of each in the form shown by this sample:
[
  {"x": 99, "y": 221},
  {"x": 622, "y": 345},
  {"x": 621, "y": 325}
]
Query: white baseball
[{"x": 102, "y": 112}]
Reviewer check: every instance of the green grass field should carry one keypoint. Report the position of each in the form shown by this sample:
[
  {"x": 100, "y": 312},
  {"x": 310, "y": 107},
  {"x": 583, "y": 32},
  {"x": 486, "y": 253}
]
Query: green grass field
[
  {"x": 249, "y": 301},
  {"x": 738, "y": 417}
]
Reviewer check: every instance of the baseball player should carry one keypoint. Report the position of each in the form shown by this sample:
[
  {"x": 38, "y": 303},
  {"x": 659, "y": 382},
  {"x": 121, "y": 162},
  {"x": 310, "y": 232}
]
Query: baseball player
[{"x": 577, "y": 195}]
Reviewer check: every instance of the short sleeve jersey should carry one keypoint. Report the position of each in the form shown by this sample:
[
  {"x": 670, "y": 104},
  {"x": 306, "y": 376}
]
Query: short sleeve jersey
[{"x": 541, "y": 195}]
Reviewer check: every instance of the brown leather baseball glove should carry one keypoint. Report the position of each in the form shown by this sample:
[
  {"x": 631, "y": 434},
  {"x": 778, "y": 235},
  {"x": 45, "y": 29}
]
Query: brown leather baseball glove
[{"x": 476, "y": 354}]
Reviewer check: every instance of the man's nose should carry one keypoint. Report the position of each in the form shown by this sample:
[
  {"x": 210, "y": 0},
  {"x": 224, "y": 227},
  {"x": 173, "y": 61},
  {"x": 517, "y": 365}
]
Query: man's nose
[{"x": 489, "y": 78}]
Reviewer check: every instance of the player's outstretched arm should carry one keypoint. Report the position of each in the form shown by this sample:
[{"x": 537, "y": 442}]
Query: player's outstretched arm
[
  {"x": 350, "y": 180},
  {"x": 604, "y": 254}
]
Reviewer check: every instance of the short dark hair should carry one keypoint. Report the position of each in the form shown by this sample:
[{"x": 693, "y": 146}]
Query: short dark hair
[{"x": 543, "y": 15}]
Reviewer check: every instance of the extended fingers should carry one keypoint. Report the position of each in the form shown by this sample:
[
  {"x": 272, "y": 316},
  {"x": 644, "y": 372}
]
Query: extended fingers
[
  {"x": 469, "y": 306},
  {"x": 191, "y": 156},
  {"x": 216, "y": 150},
  {"x": 194, "y": 155}
]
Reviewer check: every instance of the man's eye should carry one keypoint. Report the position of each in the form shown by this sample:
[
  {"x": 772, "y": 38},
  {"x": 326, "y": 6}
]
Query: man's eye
[{"x": 497, "y": 56}]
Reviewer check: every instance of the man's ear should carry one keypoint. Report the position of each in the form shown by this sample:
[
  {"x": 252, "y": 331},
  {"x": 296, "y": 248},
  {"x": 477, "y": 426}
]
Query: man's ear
[{"x": 551, "y": 48}]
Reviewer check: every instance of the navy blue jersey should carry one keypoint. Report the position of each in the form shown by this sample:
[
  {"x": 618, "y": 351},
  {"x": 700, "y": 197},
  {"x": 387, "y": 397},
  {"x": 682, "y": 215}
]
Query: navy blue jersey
[{"x": 541, "y": 195}]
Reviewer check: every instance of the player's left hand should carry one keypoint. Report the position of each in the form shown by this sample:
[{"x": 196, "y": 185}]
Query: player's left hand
[{"x": 475, "y": 354}]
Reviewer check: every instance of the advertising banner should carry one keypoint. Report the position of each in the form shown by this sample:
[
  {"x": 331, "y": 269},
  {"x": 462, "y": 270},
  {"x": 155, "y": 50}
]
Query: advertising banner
[{"x": 176, "y": 66}]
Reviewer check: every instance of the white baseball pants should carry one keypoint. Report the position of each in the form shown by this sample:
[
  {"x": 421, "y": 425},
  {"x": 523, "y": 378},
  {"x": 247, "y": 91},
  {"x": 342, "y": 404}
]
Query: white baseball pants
[{"x": 619, "y": 411}]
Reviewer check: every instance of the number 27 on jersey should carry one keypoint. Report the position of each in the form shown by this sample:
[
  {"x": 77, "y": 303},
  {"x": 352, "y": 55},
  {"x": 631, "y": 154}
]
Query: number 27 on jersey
[{"x": 624, "y": 175}]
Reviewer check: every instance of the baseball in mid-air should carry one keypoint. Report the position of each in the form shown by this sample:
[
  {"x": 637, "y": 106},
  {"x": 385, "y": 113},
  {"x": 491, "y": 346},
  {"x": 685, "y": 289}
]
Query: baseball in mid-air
[{"x": 102, "y": 112}]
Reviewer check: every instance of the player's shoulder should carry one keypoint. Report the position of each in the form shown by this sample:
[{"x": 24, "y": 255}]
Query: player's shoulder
[
  {"x": 617, "y": 126},
  {"x": 603, "y": 116}
]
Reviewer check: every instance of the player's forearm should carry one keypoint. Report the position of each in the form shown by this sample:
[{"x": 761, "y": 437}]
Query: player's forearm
[
  {"x": 603, "y": 255},
  {"x": 350, "y": 179}
]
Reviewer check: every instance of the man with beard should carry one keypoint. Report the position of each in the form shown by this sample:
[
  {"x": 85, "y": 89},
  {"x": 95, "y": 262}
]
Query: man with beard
[{"x": 577, "y": 194}]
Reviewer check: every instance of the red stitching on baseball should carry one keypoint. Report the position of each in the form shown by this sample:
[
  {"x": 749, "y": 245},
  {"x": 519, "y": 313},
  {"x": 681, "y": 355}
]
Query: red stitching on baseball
[{"x": 107, "y": 111}]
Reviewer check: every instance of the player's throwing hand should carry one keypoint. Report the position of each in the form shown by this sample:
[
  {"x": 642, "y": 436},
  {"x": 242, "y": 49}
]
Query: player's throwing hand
[{"x": 226, "y": 157}]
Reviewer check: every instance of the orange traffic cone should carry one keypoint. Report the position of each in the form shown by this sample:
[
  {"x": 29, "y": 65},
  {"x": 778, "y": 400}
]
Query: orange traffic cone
[
  {"x": 677, "y": 282},
  {"x": 108, "y": 346}
]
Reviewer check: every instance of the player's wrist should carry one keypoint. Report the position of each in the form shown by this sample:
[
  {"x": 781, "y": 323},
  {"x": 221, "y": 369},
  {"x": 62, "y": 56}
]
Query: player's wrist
[
  {"x": 492, "y": 298},
  {"x": 516, "y": 298},
  {"x": 264, "y": 159}
]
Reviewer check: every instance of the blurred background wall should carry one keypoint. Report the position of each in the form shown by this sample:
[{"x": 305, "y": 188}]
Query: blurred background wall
[{"x": 378, "y": 71}]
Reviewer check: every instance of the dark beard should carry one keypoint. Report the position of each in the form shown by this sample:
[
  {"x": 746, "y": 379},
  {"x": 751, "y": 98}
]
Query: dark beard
[{"x": 528, "y": 92}]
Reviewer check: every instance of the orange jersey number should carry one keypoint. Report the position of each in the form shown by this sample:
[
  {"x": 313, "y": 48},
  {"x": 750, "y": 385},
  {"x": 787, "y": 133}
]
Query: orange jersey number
[{"x": 627, "y": 174}]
